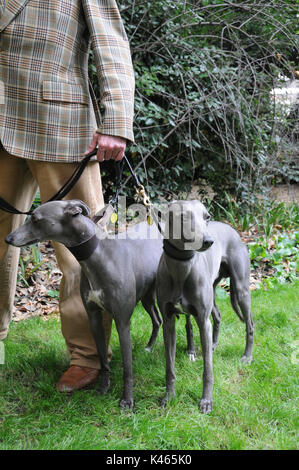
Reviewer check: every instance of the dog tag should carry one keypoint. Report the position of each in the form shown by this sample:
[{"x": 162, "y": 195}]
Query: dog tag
[
  {"x": 149, "y": 220},
  {"x": 113, "y": 218}
]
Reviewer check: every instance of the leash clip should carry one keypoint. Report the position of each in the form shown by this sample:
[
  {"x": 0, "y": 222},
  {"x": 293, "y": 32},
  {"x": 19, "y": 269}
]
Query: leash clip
[{"x": 140, "y": 191}]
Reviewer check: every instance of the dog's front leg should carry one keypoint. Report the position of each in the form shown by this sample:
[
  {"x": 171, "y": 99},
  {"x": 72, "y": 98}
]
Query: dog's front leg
[
  {"x": 205, "y": 328},
  {"x": 216, "y": 315},
  {"x": 169, "y": 336},
  {"x": 206, "y": 402},
  {"x": 95, "y": 315},
  {"x": 123, "y": 329},
  {"x": 98, "y": 331}
]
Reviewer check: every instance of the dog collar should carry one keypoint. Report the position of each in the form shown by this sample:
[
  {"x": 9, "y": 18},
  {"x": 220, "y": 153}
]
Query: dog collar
[
  {"x": 85, "y": 249},
  {"x": 175, "y": 253}
]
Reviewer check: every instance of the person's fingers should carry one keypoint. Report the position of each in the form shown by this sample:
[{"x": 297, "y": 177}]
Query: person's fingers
[
  {"x": 120, "y": 155},
  {"x": 101, "y": 154},
  {"x": 92, "y": 144},
  {"x": 109, "y": 147}
]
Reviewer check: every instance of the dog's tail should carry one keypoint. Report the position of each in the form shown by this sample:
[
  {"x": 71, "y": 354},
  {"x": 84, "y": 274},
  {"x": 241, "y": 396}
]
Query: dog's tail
[{"x": 234, "y": 301}]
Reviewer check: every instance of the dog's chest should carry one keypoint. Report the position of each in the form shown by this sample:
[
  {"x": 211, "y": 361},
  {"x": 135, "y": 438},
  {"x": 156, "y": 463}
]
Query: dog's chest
[
  {"x": 180, "y": 290},
  {"x": 97, "y": 297}
]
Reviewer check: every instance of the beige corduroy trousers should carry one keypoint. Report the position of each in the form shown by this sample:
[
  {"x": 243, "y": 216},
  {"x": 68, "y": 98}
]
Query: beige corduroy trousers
[{"x": 19, "y": 181}]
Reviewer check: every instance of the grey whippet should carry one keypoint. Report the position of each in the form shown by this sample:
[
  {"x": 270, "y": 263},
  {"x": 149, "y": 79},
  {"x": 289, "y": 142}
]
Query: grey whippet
[
  {"x": 190, "y": 269},
  {"x": 115, "y": 274}
]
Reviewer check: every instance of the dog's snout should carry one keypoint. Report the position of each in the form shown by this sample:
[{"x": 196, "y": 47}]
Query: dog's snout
[
  {"x": 8, "y": 239},
  {"x": 207, "y": 242}
]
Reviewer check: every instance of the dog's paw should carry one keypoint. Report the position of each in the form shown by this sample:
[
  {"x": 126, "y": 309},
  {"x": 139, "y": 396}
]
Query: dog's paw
[
  {"x": 206, "y": 405},
  {"x": 167, "y": 397},
  {"x": 102, "y": 390},
  {"x": 164, "y": 401},
  {"x": 246, "y": 359},
  {"x": 126, "y": 404},
  {"x": 104, "y": 386},
  {"x": 192, "y": 356}
]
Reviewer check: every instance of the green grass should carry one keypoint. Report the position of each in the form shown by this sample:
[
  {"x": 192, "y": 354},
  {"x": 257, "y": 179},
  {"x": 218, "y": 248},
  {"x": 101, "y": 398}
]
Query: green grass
[{"x": 254, "y": 406}]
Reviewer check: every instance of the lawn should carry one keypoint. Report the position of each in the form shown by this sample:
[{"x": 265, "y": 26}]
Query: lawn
[{"x": 254, "y": 406}]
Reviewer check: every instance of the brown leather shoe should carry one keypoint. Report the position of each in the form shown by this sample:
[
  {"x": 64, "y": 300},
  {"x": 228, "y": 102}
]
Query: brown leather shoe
[{"x": 77, "y": 377}]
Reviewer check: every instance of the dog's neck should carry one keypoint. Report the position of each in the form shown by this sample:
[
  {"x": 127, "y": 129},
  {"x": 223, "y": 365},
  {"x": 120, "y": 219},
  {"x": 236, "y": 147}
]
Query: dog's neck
[
  {"x": 85, "y": 249},
  {"x": 178, "y": 274},
  {"x": 88, "y": 242},
  {"x": 175, "y": 253}
]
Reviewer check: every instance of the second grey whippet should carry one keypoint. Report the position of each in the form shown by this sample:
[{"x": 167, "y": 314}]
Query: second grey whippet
[
  {"x": 115, "y": 274},
  {"x": 187, "y": 280}
]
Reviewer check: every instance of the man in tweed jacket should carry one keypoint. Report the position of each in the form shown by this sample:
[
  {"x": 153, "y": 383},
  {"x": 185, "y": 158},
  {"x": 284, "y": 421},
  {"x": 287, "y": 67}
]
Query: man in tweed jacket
[{"x": 47, "y": 123}]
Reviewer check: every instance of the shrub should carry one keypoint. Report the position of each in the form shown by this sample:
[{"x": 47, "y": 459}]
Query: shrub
[{"x": 204, "y": 72}]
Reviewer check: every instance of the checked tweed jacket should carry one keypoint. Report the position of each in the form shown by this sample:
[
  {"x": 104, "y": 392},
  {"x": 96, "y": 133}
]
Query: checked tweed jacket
[{"x": 46, "y": 109}]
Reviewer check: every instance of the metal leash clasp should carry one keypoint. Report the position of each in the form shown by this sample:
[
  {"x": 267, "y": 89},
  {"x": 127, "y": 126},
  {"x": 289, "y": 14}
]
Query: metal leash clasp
[{"x": 140, "y": 191}]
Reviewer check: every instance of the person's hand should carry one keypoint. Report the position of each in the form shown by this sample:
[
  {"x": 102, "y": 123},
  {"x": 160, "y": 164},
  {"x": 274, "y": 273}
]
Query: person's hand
[{"x": 109, "y": 147}]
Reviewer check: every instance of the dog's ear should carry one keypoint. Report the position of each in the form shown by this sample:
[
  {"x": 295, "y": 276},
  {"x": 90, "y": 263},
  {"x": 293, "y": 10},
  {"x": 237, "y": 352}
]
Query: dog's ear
[
  {"x": 77, "y": 207},
  {"x": 102, "y": 216},
  {"x": 200, "y": 209}
]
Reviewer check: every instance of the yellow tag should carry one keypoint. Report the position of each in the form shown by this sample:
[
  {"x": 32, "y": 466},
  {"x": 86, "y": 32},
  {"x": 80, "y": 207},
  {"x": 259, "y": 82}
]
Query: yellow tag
[
  {"x": 113, "y": 218},
  {"x": 149, "y": 220}
]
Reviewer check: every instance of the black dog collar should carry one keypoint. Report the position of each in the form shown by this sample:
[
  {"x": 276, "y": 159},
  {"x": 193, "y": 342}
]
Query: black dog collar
[
  {"x": 85, "y": 249},
  {"x": 175, "y": 253}
]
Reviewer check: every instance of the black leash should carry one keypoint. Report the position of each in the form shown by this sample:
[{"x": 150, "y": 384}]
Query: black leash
[
  {"x": 70, "y": 183},
  {"x": 63, "y": 191},
  {"x": 118, "y": 166}
]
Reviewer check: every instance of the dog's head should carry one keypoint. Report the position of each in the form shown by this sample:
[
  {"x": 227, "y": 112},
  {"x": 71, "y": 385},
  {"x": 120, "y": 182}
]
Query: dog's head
[
  {"x": 61, "y": 221},
  {"x": 187, "y": 225}
]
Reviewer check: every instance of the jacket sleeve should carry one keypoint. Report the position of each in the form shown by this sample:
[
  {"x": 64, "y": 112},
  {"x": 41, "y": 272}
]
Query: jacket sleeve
[{"x": 114, "y": 66}]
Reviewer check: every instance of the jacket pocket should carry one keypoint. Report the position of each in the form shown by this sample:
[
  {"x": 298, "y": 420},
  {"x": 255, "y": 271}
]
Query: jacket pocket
[
  {"x": 2, "y": 94},
  {"x": 64, "y": 92}
]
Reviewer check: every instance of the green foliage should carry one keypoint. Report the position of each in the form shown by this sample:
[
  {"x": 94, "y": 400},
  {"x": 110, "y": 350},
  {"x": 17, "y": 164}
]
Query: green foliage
[
  {"x": 204, "y": 71},
  {"x": 30, "y": 261},
  {"x": 263, "y": 215},
  {"x": 53, "y": 293},
  {"x": 37, "y": 201},
  {"x": 280, "y": 257}
]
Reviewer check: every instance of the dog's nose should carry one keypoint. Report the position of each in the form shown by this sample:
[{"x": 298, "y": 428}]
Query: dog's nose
[
  {"x": 207, "y": 242},
  {"x": 8, "y": 239}
]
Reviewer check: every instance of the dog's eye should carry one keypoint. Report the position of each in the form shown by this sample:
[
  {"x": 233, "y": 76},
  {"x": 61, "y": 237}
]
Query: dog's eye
[{"x": 207, "y": 217}]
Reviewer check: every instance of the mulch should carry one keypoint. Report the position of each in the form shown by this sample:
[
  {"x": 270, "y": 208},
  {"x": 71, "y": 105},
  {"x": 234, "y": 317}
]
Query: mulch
[{"x": 38, "y": 296}]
